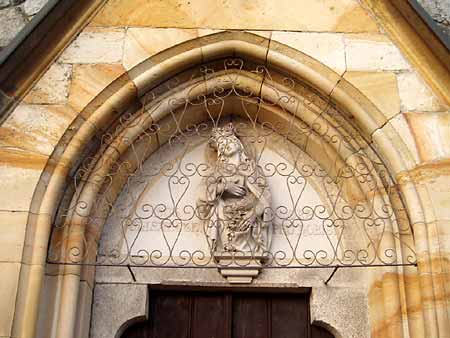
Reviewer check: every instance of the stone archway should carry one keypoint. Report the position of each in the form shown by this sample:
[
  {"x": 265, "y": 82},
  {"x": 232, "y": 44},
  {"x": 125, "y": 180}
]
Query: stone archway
[{"x": 122, "y": 97}]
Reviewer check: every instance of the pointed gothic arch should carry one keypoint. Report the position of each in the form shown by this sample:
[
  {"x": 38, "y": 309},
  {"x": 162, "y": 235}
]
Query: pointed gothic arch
[{"x": 99, "y": 131}]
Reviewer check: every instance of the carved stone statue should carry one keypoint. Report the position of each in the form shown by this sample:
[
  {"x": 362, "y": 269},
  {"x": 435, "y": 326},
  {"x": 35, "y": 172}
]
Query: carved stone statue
[{"x": 235, "y": 199}]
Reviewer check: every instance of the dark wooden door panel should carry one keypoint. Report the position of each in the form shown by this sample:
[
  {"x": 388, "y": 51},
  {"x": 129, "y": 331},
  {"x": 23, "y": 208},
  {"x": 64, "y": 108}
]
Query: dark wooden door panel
[
  {"x": 290, "y": 316},
  {"x": 227, "y": 315},
  {"x": 170, "y": 315},
  {"x": 250, "y": 316},
  {"x": 209, "y": 316}
]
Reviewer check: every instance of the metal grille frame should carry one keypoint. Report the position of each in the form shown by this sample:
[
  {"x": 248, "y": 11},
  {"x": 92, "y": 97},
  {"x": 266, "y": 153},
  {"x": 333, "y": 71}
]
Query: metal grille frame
[{"x": 324, "y": 147}]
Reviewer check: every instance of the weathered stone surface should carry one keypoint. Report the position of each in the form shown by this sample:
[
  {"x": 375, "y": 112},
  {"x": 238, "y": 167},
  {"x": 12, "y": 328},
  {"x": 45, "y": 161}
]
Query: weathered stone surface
[
  {"x": 48, "y": 295},
  {"x": 8, "y": 292},
  {"x": 283, "y": 57},
  {"x": 326, "y": 310},
  {"x": 36, "y": 128},
  {"x": 389, "y": 142},
  {"x": 11, "y": 22},
  {"x": 141, "y": 43},
  {"x": 300, "y": 15},
  {"x": 207, "y": 31},
  {"x": 396, "y": 142},
  {"x": 89, "y": 80},
  {"x": 431, "y": 133},
  {"x": 439, "y": 10},
  {"x": 327, "y": 48},
  {"x": 415, "y": 95},
  {"x": 12, "y": 235},
  {"x": 403, "y": 128},
  {"x": 372, "y": 52},
  {"x": 53, "y": 87},
  {"x": 19, "y": 174},
  {"x": 96, "y": 45},
  {"x": 380, "y": 88},
  {"x": 85, "y": 306},
  {"x": 114, "y": 305},
  {"x": 31, "y": 7},
  {"x": 438, "y": 190},
  {"x": 443, "y": 228}
]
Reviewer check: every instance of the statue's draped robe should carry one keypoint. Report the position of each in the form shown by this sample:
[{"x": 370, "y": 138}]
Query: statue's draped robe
[{"x": 237, "y": 224}]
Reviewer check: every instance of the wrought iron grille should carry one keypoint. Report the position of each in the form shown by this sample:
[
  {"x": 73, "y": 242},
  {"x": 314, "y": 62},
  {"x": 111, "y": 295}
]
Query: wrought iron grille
[{"x": 231, "y": 173}]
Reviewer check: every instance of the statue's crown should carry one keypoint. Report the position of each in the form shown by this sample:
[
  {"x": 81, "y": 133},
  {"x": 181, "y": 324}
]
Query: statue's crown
[{"x": 222, "y": 132}]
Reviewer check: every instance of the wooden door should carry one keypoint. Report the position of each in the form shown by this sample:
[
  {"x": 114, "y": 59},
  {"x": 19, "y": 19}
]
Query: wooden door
[{"x": 175, "y": 314}]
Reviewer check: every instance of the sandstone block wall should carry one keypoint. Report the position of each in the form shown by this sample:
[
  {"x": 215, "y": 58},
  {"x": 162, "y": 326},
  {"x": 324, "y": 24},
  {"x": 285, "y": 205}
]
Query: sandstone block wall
[{"x": 339, "y": 33}]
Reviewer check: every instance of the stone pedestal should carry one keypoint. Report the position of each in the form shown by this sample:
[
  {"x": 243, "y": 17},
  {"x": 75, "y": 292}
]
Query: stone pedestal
[{"x": 238, "y": 268}]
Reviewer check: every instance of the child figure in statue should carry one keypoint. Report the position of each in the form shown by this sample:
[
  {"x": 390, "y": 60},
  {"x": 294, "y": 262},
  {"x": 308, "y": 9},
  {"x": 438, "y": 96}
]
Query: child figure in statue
[{"x": 235, "y": 199}]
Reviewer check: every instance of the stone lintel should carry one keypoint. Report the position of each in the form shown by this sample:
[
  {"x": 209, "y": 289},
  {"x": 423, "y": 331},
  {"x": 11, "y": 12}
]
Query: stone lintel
[{"x": 238, "y": 268}]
